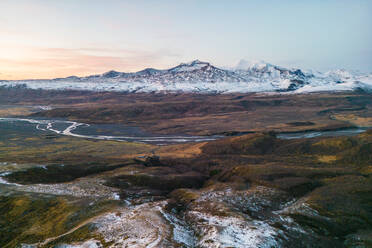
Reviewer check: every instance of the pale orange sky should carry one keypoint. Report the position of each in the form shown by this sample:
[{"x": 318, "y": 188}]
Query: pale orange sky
[{"x": 18, "y": 62}]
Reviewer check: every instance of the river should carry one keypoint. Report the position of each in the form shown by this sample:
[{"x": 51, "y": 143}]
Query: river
[
  {"x": 134, "y": 134},
  {"x": 100, "y": 131}
]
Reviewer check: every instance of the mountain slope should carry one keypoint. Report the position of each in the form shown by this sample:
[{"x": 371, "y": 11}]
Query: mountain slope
[{"x": 202, "y": 77}]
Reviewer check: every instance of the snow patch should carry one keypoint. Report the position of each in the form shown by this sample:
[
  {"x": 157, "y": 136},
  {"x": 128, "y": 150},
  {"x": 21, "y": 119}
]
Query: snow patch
[
  {"x": 218, "y": 231},
  {"x": 138, "y": 226},
  {"x": 86, "y": 244}
]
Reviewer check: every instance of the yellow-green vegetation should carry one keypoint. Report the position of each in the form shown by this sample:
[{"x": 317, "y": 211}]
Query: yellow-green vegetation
[
  {"x": 185, "y": 196},
  {"x": 203, "y": 114},
  {"x": 57, "y": 173},
  {"x": 327, "y": 158},
  {"x": 14, "y": 111},
  {"x": 67, "y": 158},
  {"x": 334, "y": 144},
  {"x": 251, "y": 174},
  {"x": 367, "y": 170},
  {"x": 331, "y": 175},
  {"x": 248, "y": 144},
  {"x": 361, "y": 121},
  {"x": 164, "y": 182},
  {"x": 43, "y": 149},
  {"x": 82, "y": 234},
  {"x": 187, "y": 150},
  {"x": 346, "y": 201},
  {"x": 34, "y": 218}
]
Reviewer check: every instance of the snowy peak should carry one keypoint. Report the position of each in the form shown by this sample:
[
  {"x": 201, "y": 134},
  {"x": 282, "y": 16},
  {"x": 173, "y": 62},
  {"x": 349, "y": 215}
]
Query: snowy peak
[
  {"x": 192, "y": 66},
  {"x": 261, "y": 67},
  {"x": 340, "y": 74},
  {"x": 196, "y": 62},
  {"x": 254, "y": 65},
  {"x": 111, "y": 74},
  {"x": 148, "y": 72}
]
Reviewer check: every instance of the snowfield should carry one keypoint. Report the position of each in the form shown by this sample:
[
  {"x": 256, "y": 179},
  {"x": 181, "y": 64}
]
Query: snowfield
[{"x": 202, "y": 77}]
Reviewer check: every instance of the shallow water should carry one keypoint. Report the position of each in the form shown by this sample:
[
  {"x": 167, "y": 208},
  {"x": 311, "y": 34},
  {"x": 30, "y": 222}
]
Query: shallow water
[
  {"x": 100, "y": 131},
  {"x": 134, "y": 134},
  {"x": 313, "y": 134}
]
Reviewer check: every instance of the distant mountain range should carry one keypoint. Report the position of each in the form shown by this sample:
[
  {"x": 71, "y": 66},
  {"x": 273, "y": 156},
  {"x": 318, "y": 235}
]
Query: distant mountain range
[{"x": 202, "y": 77}]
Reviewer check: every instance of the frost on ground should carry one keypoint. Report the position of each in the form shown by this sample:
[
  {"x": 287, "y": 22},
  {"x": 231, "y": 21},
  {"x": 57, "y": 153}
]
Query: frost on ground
[
  {"x": 217, "y": 218},
  {"x": 77, "y": 188},
  {"x": 244, "y": 218},
  {"x": 86, "y": 244},
  {"x": 232, "y": 231},
  {"x": 149, "y": 225},
  {"x": 182, "y": 233},
  {"x": 83, "y": 187},
  {"x": 138, "y": 226}
]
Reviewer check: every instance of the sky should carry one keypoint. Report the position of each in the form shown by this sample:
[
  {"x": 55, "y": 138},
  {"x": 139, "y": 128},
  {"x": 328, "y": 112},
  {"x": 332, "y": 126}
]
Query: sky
[{"x": 54, "y": 38}]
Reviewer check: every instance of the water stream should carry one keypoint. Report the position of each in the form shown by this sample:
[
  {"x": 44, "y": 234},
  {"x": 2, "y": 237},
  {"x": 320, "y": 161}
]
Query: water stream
[{"x": 103, "y": 131}]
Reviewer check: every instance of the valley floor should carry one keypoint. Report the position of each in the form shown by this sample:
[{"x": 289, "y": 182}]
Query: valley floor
[{"x": 251, "y": 190}]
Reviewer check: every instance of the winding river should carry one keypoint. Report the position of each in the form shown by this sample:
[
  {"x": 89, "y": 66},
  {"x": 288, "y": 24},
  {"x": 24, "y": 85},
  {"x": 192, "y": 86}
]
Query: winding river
[
  {"x": 126, "y": 133},
  {"x": 103, "y": 131}
]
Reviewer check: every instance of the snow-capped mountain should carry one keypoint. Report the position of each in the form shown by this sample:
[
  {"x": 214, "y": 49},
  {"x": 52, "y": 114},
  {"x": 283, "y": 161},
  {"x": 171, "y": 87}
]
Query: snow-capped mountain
[
  {"x": 193, "y": 72},
  {"x": 202, "y": 77}
]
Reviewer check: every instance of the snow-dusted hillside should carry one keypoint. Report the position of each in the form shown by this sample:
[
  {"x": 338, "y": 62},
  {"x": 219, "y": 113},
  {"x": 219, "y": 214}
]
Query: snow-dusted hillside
[{"x": 202, "y": 77}]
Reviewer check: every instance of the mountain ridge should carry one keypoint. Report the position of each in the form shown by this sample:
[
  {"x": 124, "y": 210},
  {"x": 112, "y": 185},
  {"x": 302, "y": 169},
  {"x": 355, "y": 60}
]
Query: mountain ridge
[{"x": 203, "y": 77}]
